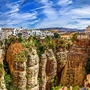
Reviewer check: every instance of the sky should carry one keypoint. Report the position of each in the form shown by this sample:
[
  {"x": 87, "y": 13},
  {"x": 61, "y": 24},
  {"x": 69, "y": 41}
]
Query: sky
[{"x": 45, "y": 13}]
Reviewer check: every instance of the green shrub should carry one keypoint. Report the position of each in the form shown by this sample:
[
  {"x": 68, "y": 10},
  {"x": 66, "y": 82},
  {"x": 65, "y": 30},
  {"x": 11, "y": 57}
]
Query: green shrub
[
  {"x": 27, "y": 87},
  {"x": 21, "y": 56},
  {"x": 19, "y": 34},
  {"x": 40, "y": 50},
  {"x": 61, "y": 61},
  {"x": 7, "y": 41},
  {"x": 56, "y": 35},
  {"x": 76, "y": 88},
  {"x": 1, "y": 43},
  {"x": 39, "y": 79},
  {"x": 87, "y": 67},
  {"x": 7, "y": 76},
  {"x": 12, "y": 87},
  {"x": 74, "y": 37},
  {"x": 27, "y": 76},
  {"x": 1, "y": 65},
  {"x": 56, "y": 88},
  {"x": 7, "y": 80}
]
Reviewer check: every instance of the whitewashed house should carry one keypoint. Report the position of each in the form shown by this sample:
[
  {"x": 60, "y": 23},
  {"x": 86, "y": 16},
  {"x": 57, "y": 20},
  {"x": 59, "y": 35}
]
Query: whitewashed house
[
  {"x": 34, "y": 32},
  {"x": 5, "y": 32},
  {"x": 40, "y": 33}
]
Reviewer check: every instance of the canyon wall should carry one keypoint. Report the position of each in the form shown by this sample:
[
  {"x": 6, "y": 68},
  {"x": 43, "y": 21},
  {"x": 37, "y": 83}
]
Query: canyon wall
[
  {"x": 2, "y": 72},
  {"x": 74, "y": 70},
  {"x": 47, "y": 69},
  {"x": 38, "y": 73},
  {"x": 24, "y": 73},
  {"x": 17, "y": 68}
]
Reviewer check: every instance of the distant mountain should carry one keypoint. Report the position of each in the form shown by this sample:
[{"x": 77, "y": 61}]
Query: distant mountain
[{"x": 63, "y": 29}]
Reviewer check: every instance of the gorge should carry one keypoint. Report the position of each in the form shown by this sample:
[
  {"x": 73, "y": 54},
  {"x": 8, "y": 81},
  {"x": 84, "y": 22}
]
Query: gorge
[{"x": 36, "y": 64}]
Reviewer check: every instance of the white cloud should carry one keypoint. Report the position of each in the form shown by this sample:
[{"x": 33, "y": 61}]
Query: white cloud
[
  {"x": 44, "y": 1},
  {"x": 81, "y": 12},
  {"x": 38, "y": 8},
  {"x": 66, "y": 17},
  {"x": 13, "y": 17},
  {"x": 19, "y": 18},
  {"x": 64, "y": 2}
]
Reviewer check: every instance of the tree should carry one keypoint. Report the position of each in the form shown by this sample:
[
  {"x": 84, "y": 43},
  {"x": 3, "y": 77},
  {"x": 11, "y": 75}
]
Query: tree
[
  {"x": 1, "y": 43},
  {"x": 88, "y": 66},
  {"x": 74, "y": 37},
  {"x": 56, "y": 35},
  {"x": 19, "y": 35}
]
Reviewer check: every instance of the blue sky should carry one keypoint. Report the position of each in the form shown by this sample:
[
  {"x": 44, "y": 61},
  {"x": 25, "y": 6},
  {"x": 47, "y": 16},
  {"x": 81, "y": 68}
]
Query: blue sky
[{"x": 45, "y": 13}]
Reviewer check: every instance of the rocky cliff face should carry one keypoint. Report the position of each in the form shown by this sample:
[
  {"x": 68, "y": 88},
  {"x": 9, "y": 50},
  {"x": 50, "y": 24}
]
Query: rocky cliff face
[
  {"x": 34, "y": 73},
  {"x": 24, "y": 73},
  {"x": 61, "y": 57},
  {"x": 47, "y": 69},
  {"x": 2, "y": 72},
  {"x": 32, "y": 70},
  {"x": 74, "y": 70},
  {"x": 17, "y": 69}
]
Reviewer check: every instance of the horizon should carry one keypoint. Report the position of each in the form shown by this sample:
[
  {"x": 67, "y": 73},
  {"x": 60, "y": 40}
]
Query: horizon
[
  {"x": 43, "y": 28},
  {"x": 32, "y": 14}
]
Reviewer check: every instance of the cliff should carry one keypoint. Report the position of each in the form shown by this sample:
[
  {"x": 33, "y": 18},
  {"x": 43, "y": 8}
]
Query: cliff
[
  {"x": 74, "y": 70},
  {"x": 24, "y": 71},
  {"x": 47, "y": 69},
  {"x": 2, "y": 72},
  {"x": 54, "y": 67}
]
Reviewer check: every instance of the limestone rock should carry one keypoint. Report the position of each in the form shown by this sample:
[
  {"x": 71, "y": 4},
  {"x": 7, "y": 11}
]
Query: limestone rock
[
  {"x": 61, "y": 57},
  {"x": 24, "y": 74},
  {"x": 32, "y": 70},
  {"x": 47, "y": 69},
  {"x": 74, "y": 71},
  {"x": 2, "y": 72},
  {"x": 17, "y": 69},
  {"x": 42, "y": 72}
]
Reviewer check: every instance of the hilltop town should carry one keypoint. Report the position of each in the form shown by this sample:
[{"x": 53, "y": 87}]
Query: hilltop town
[
  {"x": 42, "y": 33},
  {"x": 5, "y": 32}
]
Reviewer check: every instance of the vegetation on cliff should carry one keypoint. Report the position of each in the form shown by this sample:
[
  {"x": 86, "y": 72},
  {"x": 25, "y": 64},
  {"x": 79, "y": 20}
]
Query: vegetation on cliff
[
  {"x": 21, "y": 47},
  {"x": 7, "y": 76},
  {"x": 21, "y": 56},
  {"x": 88, "y": 66},
  {"x": 68, "y": 88},
  {"x": 41, "y": 45},
  {"x": 1, "y": 70}
]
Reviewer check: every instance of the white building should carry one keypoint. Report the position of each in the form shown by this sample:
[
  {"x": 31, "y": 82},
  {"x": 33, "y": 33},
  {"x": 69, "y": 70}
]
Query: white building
[
  {"x": 5, "y": 32},
  {"x": 34, "y": 32},
  {"x": 40, "y": 33}
]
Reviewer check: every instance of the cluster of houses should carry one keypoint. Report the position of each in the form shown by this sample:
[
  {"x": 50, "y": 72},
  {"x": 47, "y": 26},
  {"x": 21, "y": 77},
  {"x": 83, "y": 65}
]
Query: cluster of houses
[{"x": 5, "y": 32}]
